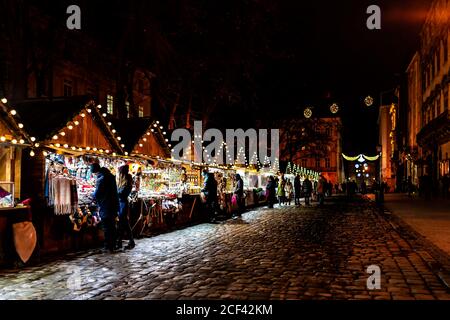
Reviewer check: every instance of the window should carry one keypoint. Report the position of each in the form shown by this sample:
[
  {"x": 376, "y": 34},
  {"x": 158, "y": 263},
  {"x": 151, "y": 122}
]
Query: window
[
  {"x": 141, "y": 111},
  {"x": 327, "y": 162},
  {"x": 304, "y": 163},
  {"x": 317, "y": 163},
  {"x": 127, "y": 106},
  {"x": 68, "y": 88},
  {"x": 110, "y": 103}
]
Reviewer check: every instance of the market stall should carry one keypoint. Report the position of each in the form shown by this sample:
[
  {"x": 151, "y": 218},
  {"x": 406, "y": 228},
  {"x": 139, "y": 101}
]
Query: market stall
[
  {"x": 72, "y": 134},
  {"x": 13, "y": 213},
  {"x": 254, "y": 186},
  {"x": 166, "y": 192}
]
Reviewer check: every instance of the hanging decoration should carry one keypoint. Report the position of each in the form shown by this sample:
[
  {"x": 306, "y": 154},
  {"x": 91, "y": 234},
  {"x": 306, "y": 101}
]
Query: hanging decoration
[
  {"x": 368, "y": 101},
  {"x": 334, "y": 108},
  {"x": 361, "y": 158},
  {"x": 307, "y": 113}
]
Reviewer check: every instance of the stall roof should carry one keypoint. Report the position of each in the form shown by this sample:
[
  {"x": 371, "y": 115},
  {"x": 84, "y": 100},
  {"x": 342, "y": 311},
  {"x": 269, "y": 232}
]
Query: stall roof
[
  {"x": 134, "y": 129},
  {"x": 8, "y": 128},
  {"x": 43, "y": 118}
]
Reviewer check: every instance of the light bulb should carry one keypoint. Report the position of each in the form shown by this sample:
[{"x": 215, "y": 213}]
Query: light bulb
[
  {"x": 20, "y": 125},
  {"x": 2, "y": 138},
  {"x": 33, "y": 139},
  {"x": 32, "y": 153},
  {"x": 4, "y": 100},
  {"x": 13, "y": 112}
]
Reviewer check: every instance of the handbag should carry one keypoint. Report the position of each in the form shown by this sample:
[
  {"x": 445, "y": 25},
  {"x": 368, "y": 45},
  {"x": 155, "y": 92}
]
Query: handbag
[{"x": 234, "y": 200}]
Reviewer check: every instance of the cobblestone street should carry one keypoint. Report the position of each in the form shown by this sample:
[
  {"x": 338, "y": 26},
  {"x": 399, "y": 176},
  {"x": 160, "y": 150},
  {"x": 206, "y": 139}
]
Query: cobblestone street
[{"x": 288, "y": 253}]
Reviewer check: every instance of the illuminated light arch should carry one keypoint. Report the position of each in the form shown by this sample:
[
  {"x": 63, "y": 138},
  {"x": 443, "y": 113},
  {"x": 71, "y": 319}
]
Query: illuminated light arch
[{"x": 361, "y": 158}]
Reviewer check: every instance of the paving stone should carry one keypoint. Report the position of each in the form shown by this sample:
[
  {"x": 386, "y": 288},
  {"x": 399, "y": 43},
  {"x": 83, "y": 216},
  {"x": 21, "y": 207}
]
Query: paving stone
[{"x": 321, "y": 253}]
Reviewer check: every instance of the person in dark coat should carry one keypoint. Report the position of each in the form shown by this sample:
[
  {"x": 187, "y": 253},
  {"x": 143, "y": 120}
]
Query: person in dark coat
[
  {"x": 210, "y": 192},
  {"x": 297, "y": 190},
  {"x": 125, "y": 185},
  {"x": 239, "y": 192},
  {"x": 108, "y": 203},
  {"x": 307, "y": 189},
  {"x": 271, "y": 191}
]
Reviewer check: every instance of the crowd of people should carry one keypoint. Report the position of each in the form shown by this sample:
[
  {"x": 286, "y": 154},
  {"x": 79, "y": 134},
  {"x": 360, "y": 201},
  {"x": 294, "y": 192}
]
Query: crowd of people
[{"x": 283, "y": 191}]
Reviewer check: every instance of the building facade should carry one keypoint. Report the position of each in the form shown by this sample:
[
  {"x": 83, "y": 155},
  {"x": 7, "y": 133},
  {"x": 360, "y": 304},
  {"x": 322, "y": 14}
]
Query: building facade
[
  {"x": 315, "y": 144},
  {"x": 58, "y": 62},
  {"x": 413, "y": 152},
  {"x": 387, "y": 123},
  {"x": 428, "y": 74}
]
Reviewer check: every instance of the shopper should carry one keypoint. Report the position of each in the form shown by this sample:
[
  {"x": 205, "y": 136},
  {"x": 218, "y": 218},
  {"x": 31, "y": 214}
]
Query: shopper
[
  {"x": 210, "y": 193},
  {"x": 271, "y": 192},
  {"x": 239, "y": 193},
  {"x": 297, "y": 190},
  {"x": 108, "y": 203},
  {"x": 289, "y": 190},
  {"x": 307, "y": 189},
  {"x": 125, "y": 185},
  {"x": 321, "y": 187},
  {"x": 281, "y": 192}
]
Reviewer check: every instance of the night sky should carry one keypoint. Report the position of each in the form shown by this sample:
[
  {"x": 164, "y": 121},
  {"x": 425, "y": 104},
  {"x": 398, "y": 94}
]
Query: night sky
[{"x": 266, "y": 58}]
